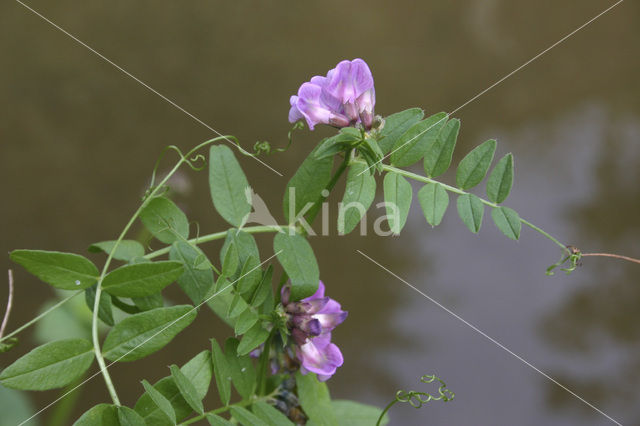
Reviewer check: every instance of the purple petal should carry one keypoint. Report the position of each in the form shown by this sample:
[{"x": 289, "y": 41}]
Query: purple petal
[
  {"x": 349, "y": 80},
  {"x": 318, "y": 294},
  {"x": 324, "y": 377},
  {"x": 323, "y": 361},
  {"x": 365, "y": 105},
  {"x": 294, "y": 112},
  {"x": 307, "y": 306},
  {"x": 310, "y": 106},
  {"x": 330, "y": 321},
  {"x": 319, "y": 80}
]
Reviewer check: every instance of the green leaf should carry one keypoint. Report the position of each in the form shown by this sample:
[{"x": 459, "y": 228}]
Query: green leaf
[
  {"x": 437, "y": 159},
  {"x": 126, "y": 250},
  {"x": 165, "y": 220},
  {"x": 413, "y": 144},
  {"x": 264, "y": 288},
  {"x": 187, "y": 389},
  {"x": 396, "y": 125},
  {"x": 222, "y": 371},
  {"x": 315, "y": 400},
  {"x": 249, "y": 279},
  {"x": 507, "y": 221},
  {"x": 397, "y": 196},
  {"x": 66, "y": 271},
  {"x": 237, "y": 306},
  {"x": 245, "y": 321},
  {"x": 198, "y": 371},
  {"x": 346, "y": 138},
  {"x": 141, "y": 279},
  {"x": 220, "y": 300},
  {"x": 148, "y": 302},
  {"x": 296, "y": 257},
  {"x": 270, "y": 415},
  {"x": 358, "y": 196},
  {"x": 306, "y": 185},
  {"x": 246, "y": 246},
  {"x": 434, "y": 201},
  {"x": 245, "y": 417},
  {"x": 351, "y": 413},
  {"x": 243, "y": 373},
  {"x": 231, "y": 261},
  {"x": 142, "y": 334},
  {"x": 253, "y": 338},
  {"x": 129, "y": 417},
  {"x": 229, "y": 187},
  {"x": 52, "y": 365},
  {"x": 500, "y": 180},
  {"x": 471, "y": 210},
  {"x": 124, "y": 307},
  {"x": 160, "y": 400},
  {"x": 105, "y": 312},
  {"x": 195, "y": 281},
  {"x": 110, "y": 415},
  {"x": 474, "y": 166},
  {"x": 218, "y": 421},
  {"x": 99, "y": 415}
]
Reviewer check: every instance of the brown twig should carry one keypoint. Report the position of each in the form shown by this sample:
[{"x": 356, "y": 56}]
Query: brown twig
[
  {"x": 617, "y": 256},
  {"x": 5, "y": 320}
]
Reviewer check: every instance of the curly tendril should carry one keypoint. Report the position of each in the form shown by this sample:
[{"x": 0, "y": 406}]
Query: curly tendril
[
  {"x": 191, "y": 162},
  {"x": 572, "y": 256},
  {"x": 417, "y": 399}
]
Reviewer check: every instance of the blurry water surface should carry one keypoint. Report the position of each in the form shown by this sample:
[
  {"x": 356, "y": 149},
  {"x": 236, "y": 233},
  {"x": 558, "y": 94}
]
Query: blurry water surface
[{"x": 79, "y": 140}]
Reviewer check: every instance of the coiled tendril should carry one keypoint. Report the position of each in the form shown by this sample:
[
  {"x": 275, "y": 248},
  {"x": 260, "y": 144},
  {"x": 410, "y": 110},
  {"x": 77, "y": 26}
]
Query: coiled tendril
[
  {"x": 416, "y": 398},
  {"x": 191, "y": 162},
  {"x": 572, "y": 255}
]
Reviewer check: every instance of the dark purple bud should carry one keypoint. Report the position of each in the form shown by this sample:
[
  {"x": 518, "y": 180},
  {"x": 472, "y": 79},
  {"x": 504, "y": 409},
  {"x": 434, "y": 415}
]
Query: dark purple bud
[
  {"x": 309, "y": 325},
  {"x": 285, "y": 293}
]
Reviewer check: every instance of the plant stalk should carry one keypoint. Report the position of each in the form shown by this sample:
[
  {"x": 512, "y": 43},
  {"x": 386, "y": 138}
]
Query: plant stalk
[
  {"x": 42, "y": 315},
  {"x": 7, "y": 313},
  {"x": 96, "y": 304}
]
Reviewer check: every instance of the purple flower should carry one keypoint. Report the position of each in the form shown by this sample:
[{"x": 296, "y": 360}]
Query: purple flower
[
  {"x": 344, "y": 97},
  {"x": 311, "y": 321}
]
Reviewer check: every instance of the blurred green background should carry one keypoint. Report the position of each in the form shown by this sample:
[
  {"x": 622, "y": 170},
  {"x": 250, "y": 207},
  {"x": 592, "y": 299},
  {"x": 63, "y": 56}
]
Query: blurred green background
[{"x": 79, "y": 140}]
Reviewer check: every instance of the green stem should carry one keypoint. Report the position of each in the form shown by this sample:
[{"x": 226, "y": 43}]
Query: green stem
[
  {"x": 42, "y": 315},
  {"x": 96, "y": 305},
  {"x": 539, "y": 230},
  {"x": 387, "y": 408},
  {"x": 218, "y": 236},
  {"x": 263, "y": 363},
  {"x": 459, "y": 191}
]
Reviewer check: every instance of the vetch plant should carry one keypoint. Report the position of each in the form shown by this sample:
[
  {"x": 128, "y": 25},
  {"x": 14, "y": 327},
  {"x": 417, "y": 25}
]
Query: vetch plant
[{"x": 281, "y": 320}]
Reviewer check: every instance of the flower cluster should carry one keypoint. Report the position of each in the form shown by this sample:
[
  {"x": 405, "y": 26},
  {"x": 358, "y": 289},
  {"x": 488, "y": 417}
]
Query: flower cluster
[
  {"x": 344, "y": 97},
  {"x": 311, "y": 321}
]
